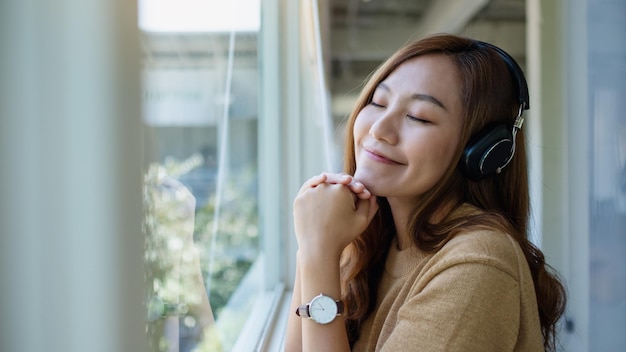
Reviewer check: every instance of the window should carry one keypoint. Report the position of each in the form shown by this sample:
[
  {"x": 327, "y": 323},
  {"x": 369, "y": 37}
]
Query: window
[
  {"x": 593, "y": 241},
  {"x": 607, "y": 175},
  {"x": 203, "y": 257}
]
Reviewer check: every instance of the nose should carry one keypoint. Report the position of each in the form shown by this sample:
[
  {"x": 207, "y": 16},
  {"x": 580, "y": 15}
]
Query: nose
[{"x": 385, "y": 128}]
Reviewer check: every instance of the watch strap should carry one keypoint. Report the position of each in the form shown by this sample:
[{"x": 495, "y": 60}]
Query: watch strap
[{"x": 303, "y": 310}]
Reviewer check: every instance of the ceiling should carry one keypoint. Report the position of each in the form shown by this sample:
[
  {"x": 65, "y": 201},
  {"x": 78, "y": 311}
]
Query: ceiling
[{"x": 362, "y": 33}]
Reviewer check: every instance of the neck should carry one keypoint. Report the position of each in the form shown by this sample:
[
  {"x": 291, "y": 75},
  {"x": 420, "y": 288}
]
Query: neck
[{"x": 402, "y": 210}]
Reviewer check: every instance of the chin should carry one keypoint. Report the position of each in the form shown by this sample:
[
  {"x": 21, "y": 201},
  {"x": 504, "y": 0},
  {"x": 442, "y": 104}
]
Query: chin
[{"x": 370, "y": 182}]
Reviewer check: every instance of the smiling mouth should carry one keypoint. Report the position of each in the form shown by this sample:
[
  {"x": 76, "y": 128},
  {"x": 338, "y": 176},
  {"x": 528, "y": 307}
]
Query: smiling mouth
[{"x": 380, "y": 158}]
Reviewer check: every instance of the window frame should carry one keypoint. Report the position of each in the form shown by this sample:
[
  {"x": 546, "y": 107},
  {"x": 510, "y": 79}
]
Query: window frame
[{"x": 290, "y": 137}]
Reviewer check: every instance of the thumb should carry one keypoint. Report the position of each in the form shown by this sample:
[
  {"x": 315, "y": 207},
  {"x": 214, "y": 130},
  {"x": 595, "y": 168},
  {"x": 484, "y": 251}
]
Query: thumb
[{"x": 367, "y": 208}]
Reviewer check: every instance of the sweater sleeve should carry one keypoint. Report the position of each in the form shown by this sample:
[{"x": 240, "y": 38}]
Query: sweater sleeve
[{"x": 465, "y": 303}]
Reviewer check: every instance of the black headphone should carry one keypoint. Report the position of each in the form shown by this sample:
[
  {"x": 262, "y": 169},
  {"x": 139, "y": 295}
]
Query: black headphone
[{"x": 490, "y": 150}]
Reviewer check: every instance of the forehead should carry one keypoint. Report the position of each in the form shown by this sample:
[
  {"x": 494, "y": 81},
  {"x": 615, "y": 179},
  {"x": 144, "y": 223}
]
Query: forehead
[
  {"x": 433, "y": 74},
  {"x": 437, "y": 70}
]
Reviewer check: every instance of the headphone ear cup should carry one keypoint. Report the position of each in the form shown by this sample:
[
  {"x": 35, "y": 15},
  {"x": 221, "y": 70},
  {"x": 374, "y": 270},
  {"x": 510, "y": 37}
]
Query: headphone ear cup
[{"x": 487, "y": 152}]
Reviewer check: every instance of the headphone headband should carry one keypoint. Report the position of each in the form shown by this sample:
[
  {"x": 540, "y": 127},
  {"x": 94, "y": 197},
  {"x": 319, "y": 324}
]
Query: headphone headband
[{"x": 516, "y": 72}]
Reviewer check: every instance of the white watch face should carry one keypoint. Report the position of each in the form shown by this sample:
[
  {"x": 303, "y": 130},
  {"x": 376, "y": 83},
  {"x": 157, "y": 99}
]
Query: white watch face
[{"x": 323, "y": 309}]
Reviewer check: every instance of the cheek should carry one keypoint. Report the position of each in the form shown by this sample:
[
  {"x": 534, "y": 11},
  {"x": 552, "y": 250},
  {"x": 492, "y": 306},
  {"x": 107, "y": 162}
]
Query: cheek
[
  {"x": 360, "y": 128},
  {"x": 438, "y": 152},
  {"x": 445, "y": 149}
]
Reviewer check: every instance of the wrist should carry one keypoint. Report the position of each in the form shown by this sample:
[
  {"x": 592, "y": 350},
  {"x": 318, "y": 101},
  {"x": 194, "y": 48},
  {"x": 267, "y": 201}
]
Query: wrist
[
  {"x": 316, "y": 246},
  {"x": 318, "y": 274},
  {"x": 318, "y": 259}
]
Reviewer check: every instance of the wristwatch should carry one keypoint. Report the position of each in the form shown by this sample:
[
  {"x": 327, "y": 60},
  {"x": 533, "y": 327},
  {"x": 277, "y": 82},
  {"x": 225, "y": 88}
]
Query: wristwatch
[{"x": 322, "y": 309}]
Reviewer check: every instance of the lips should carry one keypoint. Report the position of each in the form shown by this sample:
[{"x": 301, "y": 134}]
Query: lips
[{"x": 379, "y": 156}]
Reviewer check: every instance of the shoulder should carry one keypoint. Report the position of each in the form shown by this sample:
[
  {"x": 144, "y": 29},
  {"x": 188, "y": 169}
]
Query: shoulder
[
  {"x": 487, "y": 244},
  {"x": 481, "y": 247}
]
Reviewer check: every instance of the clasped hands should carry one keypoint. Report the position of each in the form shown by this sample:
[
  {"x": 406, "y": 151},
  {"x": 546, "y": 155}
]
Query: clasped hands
[{"x": 330, "y": 211}]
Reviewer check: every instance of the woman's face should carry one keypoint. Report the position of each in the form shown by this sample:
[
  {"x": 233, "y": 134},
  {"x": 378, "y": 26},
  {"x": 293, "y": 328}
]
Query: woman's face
[{"x": 405, "y": 139}]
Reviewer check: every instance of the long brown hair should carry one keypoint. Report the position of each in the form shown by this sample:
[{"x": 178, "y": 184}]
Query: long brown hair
[{"x": 488, "y": 96}]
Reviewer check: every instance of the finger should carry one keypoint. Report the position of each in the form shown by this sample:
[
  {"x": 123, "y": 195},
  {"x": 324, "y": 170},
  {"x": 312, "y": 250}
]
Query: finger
[
  {"x": 373, "y": 208},
  {"x": 359, "y": 189},
  {"x": 341, "y": 178},
  {"x": 365, "y": 194},
  {"x": 314, "y": 182},
  {"x": 355, "y": 186}
]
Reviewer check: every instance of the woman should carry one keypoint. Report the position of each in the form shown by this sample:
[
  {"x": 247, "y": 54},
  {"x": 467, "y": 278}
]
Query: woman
[{"x": 422, "y": 244}]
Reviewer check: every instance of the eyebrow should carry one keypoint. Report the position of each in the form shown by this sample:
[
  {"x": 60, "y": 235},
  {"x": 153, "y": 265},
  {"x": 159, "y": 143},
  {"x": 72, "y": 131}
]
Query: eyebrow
[{"x": 424, "y": 97}]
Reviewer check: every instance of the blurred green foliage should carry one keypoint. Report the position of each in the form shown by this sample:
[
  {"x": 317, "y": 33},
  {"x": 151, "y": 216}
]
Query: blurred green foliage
[{"x": 195, "y": 254}]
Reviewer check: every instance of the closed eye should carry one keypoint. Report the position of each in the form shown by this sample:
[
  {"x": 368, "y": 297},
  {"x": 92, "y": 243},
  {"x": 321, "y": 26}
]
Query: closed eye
[
  {"x": 376, "y": 104},
  {"x": 417, "y": 119}
]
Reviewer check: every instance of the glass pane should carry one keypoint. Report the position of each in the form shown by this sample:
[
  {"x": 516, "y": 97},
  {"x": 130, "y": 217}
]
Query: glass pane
[
  {"x": 202, "y": 266},
  {"x": 607, "y": 70}
]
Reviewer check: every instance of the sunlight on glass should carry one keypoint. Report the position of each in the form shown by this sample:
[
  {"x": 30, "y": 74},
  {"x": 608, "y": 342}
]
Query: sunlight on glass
[{"x": 199, "y": 15}]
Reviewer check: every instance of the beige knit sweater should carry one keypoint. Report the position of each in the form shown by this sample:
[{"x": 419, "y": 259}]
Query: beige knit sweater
[{"x": 475, "y": 294}]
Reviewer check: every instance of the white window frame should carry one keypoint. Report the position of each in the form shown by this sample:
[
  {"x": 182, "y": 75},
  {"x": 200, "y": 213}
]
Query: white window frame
[{"x": 291, "y": 149}]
